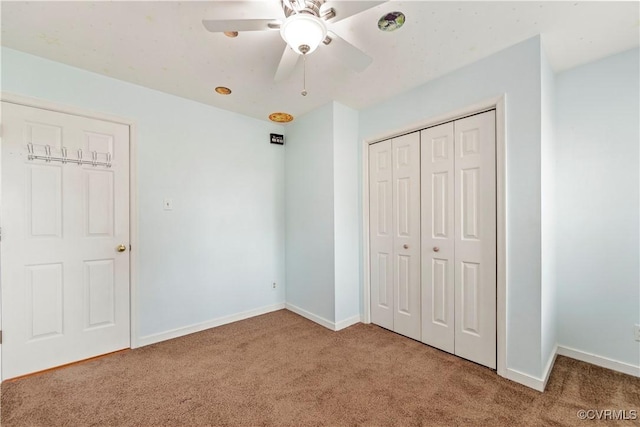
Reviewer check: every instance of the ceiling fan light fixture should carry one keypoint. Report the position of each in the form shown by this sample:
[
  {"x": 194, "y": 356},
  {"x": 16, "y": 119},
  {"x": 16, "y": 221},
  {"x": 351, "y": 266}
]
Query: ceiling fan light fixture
[{"x": 303, "y": 32}]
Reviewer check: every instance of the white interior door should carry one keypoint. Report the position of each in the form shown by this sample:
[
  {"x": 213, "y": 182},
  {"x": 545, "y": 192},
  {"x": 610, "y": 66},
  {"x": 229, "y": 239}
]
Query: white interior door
[
  {"x": 406, "y": 234},
  {"x": 380, "y": 233},
  {"x": 65, "y": 287},
  {"x": 475, "y": 238},
  {"x": 438, "y": 238}
]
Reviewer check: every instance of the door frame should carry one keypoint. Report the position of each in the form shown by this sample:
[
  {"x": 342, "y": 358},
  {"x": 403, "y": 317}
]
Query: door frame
[
  {"x": 133, "y": 193},
  {"x": 497, "y": 103}
]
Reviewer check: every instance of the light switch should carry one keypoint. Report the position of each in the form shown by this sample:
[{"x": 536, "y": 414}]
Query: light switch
[{"x": 168, "y": 204}]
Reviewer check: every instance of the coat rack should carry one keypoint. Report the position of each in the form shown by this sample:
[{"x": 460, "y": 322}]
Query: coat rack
[{"x": 47, "y": 157}]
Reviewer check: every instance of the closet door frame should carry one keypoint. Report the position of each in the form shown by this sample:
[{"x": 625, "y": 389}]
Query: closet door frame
[{"x": 497, "y": 103}]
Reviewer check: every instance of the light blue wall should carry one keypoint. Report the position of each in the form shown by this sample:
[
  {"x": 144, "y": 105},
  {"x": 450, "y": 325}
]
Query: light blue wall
[
  {"x": 310, "y": 262},
  {"x": 218, "y": 251},
  {"x": 548, "y": 209},
  {"x": 347, "y": 221},
  {"x": 598, "y": 207},
  {"x": 573, "y": 197},
  {"x": 322, "y": 222},
  {"x": 515, "y": 72}
]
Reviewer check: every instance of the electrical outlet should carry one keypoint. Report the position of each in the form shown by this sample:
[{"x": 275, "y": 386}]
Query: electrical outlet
[
  {"x": 636, "y": 330},
  {"x": 273, "y": 285}
]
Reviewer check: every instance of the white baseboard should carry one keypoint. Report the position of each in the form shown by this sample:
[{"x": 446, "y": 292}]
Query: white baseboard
[
  {"x": 549, "y": 367},
  {"x": 525, "y": 379},
  {"x": 186, "y": 330},
  {"x": 314, "y": 318},
  {"x": 334, "y": 326},
  {"x": 541, "y": 383},
  {"x": 347, "y": 322},
  {"x": 601, "y": 361},
  {"x": 529, "y": 380}
]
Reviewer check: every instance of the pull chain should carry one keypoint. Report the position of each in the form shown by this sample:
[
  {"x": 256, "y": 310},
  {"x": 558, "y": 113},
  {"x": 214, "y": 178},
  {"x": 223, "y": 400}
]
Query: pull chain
[{"x": 304, "y": 75}]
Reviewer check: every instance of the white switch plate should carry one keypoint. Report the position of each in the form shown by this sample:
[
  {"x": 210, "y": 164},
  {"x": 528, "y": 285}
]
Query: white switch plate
[
  {"x": 168, "y": 204},
  {"x": 636, "y": 330}
]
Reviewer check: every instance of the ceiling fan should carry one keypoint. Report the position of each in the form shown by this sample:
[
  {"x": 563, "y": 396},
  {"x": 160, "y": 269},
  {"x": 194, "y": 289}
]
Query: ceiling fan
[{"x": 305, "y": 25}]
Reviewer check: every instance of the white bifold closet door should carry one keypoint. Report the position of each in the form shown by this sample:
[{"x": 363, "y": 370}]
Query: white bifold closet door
[
  {"x": 459, "y": 238},
  {"x": 394, "y": 231}
]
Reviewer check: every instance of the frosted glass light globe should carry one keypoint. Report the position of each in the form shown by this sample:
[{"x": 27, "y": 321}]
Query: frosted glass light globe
[{"x": 303, "y": 30}]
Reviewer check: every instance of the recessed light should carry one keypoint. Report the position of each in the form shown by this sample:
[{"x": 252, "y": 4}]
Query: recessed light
[
  {"x": 280, "y": 117},
  {"x": 223, "y": 90},
  {"x": 231, "y": 34},
  {"x": 391, "y": 21}
]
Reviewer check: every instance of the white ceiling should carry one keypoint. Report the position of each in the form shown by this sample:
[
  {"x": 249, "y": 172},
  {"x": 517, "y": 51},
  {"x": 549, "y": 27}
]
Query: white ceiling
[{"x": 163, "y": 45}]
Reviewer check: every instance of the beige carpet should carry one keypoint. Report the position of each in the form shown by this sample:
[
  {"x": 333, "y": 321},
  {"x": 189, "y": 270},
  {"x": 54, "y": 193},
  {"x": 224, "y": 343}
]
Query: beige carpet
[{"x": 281, "y": 369}]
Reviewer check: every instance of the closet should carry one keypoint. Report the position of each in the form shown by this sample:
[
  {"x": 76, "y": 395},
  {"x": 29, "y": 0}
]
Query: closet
[{"x": 432, "y": 234}]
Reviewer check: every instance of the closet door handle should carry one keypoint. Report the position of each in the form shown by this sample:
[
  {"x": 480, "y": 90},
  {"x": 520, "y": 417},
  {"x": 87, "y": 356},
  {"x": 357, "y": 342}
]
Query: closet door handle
[
  {"x": 405, "y": 246},
  {"x": 436, "y": 249}
]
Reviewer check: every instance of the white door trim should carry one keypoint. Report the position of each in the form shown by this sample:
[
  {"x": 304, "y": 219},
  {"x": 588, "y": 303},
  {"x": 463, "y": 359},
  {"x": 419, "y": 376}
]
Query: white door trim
[
  {"x": 497, "y": 103},
  {"x": 133, "y": 186}
]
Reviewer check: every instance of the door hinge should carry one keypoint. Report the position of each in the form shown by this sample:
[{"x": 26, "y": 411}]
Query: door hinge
[
  {"x": 129, "y": 248},
  {"x": 0, "y": 337}
]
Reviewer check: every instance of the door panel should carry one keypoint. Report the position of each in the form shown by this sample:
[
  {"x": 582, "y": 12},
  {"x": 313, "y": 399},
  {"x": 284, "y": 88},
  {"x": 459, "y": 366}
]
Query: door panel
[
  {"x": 406, "y": 241},
  {"x": 469, "y": 203},
  {"x": 437, "y": 201},
  {"x": 65, "y": 289},
  {"x": 475, "y": 239},
  {"x": 44, "y": 201},
  {"x": 380, "y": 233},
  {"x": 439, "y": 282},
  {"x": 469, "y": 299},
  {"x": 404, "y": 284},
  {"x": 44, "y": 300},
  {"x": 99, "y": 210},
  {"x": 99, "y": 293}
]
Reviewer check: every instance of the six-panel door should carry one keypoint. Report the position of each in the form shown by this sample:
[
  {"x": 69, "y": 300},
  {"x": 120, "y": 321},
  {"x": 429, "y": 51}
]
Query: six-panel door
[
  {"x": 438, "y": 262},
  {"x": 475, "y": 238},
  {"x": 381, "y": 233},
  {"x": 406, "y": 234},
  {"x": 65, "y": 287},
  {"x": 394, "y": 234}
]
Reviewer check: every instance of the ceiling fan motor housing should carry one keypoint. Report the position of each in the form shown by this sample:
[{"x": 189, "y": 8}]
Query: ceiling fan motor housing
[{"x": 291, "y": 7}]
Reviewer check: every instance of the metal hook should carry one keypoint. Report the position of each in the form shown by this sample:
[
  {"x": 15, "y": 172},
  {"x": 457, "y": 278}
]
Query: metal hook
[
  {"x": 79, "y": 156},
  {"x": 47, "y": 153},
  {"x": 108, "y": 160},
  {"x": 94, "y": 158},
  {"x": 30, "y": 151},
  {"x": 64, "y": 155}
]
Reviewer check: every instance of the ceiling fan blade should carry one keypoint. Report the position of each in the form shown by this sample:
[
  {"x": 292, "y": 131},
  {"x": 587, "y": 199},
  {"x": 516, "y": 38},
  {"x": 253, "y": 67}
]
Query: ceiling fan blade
[
  {"x": 287, "y": 64},
  {"x": 345, "y": 9},
  {"x": 222, "y": 25},
  {"x": 348, "y": 54}
]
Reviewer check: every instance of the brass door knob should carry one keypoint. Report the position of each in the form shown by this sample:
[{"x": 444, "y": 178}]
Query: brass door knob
[
  {"x": 405, "y": 246},
  {"x": 121, "y": 248},
  {"x": 436, "y": 249}
]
